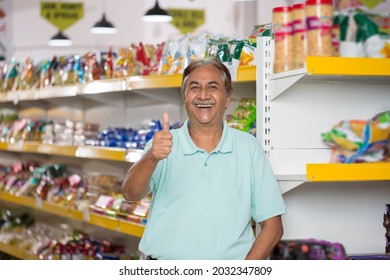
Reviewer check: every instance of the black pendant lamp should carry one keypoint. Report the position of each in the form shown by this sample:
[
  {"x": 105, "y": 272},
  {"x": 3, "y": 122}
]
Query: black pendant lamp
[
  {"x": 156, "y": 14},
  {"x": 103, "y": 27},
  {"x": 60, "y": 40}
]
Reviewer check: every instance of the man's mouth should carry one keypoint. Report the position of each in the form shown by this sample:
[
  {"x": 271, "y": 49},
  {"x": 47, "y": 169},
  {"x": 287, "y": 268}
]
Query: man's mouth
[{"x": 204, "y": 105}]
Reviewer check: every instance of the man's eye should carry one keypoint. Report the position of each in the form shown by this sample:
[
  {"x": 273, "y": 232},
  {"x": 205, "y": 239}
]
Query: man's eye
[
  {"x": 194, "y": 88},
  {"x": 213, "y": 87}
]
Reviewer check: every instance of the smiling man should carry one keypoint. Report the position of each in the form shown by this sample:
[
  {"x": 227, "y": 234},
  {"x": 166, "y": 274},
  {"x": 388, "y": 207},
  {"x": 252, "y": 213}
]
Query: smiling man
[{"x": 209, "y": 181}]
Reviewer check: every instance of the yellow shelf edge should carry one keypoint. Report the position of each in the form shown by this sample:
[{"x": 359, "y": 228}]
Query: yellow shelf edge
[
  {"x": 349, "y": 66},
  {"x": 131, "y": 228},
  {"x": 117, "y": 154},
  {"x": 16, "y": 252},
  {"x": 76, "y": 214},
  {"x": 55, "y": 209},
  {"x": 20, "y": 200},
  {"x": 348, "y": 172},
  {"x": 3, "y": 146},
  {"x": 246, "y": 73},
  {"x": 53, "y": 149},
  {"x": 158, "y": 81},
  {"x": 103, "y": 221}
]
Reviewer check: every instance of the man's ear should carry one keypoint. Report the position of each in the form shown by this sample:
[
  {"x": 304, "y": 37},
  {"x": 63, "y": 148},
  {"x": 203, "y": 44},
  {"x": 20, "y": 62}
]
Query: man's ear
[{"x": 227, "y": 102}]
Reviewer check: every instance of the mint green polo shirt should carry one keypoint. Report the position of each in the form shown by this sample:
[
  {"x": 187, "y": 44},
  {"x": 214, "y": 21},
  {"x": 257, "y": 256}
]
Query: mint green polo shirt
[{"x": 203, "y": 203}]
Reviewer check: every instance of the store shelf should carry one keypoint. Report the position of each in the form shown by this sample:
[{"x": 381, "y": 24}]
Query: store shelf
[
  {"x": 83, "y": 216},
  {"x": 104, "y": 222},
  {"x": 149, "y": 82},
  {"x": 54, "y": 209},
  {"x": 348, "y": 172},
  {"x": 20, "y": 200},
  {"x": 324, "y": 200},
  {"x": 246, "y": 74},
  {"x": 104, "y": 90},
  {"x": 91, "y": 152},
  {"x": 348, "y": 66},
  {"x": 116, "y": 154},
  {"x": 102, "y": 86},
  {"x": 53, "y": 149},
  {"x": 20, "y": 146},
  {"x": 131, "y": 228},
  {"x": 334, "y": 70},
  {"x": 16, "y": 252}
]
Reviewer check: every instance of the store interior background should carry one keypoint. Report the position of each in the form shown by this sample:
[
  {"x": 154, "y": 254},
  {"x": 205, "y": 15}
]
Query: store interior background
[{"x": 26, "y": 33}]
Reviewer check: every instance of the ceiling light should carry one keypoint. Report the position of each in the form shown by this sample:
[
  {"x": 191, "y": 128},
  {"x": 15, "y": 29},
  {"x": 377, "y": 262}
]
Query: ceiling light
[
  {"x": 156, "y": 14},
  {"x": 103, "y": 27},
  {"x": 60, "y": 40}
]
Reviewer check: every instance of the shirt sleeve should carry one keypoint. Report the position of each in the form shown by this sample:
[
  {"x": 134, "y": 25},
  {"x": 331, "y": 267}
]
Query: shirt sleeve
[{"x": 267, "y": 200}]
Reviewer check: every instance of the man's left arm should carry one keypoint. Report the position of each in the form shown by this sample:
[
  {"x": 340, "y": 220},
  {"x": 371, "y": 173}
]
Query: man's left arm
[{"x": 271, "y": 233}]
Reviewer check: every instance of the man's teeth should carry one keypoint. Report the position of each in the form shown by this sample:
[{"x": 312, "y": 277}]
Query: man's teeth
[{"x": 204, "y": 105}]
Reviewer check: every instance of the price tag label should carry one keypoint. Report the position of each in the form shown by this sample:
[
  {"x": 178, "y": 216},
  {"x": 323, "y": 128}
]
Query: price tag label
[
  {"x": 38, "y": 202},
  {"x": 86, "y": 215}
]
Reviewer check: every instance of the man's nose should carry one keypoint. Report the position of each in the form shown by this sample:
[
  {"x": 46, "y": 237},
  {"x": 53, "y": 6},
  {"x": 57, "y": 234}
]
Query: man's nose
[{"x": 203, "y": 93}]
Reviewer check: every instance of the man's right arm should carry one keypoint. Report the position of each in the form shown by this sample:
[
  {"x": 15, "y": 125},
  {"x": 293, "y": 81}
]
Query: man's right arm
[
  {"x": 136, "y": 183},
  {"x": 137, "y": 180}
]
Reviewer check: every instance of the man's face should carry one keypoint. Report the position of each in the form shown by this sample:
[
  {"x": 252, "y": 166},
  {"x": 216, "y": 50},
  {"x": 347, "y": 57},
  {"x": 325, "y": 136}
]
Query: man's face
[{"x": 205, "y": 99}]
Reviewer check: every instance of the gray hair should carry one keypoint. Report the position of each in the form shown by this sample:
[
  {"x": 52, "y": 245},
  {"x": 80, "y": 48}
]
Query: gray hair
[{"x": 224, "y": 71}]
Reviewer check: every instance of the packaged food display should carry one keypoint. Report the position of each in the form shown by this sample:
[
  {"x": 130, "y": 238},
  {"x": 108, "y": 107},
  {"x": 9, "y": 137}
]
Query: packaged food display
[
  {"x": 308, "y": 249},
  {"x": 299, "y": 31},
  {"x": 282, "y": 26},
  {"x": 244, "y": 116},
  {"x": 356, "y": 141},
  {"x": 319, "y": 21}
]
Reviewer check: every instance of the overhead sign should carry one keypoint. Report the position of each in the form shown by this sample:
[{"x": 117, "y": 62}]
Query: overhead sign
[
  {"x": 187, "y": 20},
  {"x": 371, "y": 3},
  {"x": 62, "y": 14}
]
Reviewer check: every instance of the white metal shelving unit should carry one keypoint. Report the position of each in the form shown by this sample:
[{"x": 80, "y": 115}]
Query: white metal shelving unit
[{"x": 324, "y": 201}]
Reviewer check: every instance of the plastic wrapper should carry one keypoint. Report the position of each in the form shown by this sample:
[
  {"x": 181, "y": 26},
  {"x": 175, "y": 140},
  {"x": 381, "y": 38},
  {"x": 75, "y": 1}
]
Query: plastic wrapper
[
  {"x": 355, "y": 141},
  {"x": 107, "y": 63},
  {"x": 92, "y": 69},
  {"x": 248, "y": 54},
  {"x": 143, "y": 54},
  {"x": 25, "y": 77},
  {"x": 10, "y": 76},
  {"x": 179, "y": 58},
  {"x": 169, "y": 51},
  {"x": 198, "y": 46},
  {"x": 155, "y": 59},
  {"x": 244, "y": 116},
  {"x": 102, "y": 180},
  {"x": 308, "y": 249},
  {"x": 262, "y": 30}
]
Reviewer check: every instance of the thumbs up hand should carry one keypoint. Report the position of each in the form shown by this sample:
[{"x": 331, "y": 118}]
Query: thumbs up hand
[{"x": 162, "y": 140}]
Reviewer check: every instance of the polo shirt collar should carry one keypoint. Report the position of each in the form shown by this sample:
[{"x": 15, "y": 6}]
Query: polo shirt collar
[{"x": 225, "y": 145}]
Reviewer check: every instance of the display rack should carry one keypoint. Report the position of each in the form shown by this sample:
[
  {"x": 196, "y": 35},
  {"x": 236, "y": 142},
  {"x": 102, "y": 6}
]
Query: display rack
[
  {"x": 120, "y": 102},
  {"x": 85, "y": 216},
  {"x": 299, "y": 105}
]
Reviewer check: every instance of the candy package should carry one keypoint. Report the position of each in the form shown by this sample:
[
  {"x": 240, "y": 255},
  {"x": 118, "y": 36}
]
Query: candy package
[
  {"x": 244, "y": 115},
  {"x": 354, "y": 141},
  {"x": 308, "y": 249}
]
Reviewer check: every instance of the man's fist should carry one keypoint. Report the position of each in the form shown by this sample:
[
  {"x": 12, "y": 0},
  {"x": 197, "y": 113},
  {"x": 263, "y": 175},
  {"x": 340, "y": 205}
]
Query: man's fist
[{"x": 162, "y": 140}]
